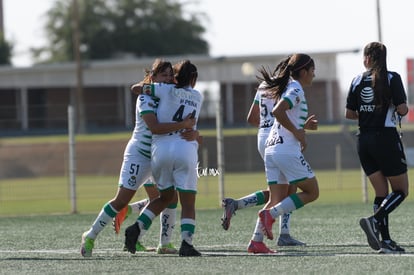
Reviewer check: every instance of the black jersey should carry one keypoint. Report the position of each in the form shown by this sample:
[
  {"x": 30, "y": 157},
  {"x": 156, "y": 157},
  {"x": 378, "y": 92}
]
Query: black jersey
[{"x": 361, "y": 99}]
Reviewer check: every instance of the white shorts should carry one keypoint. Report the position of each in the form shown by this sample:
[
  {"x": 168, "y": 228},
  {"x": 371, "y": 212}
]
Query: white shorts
[
  {"x": 135, "y": 169},
  {"x": 283, "y": 168},
  {"x": 174, "y": 164},
  {"x": 262, "y": 135}
]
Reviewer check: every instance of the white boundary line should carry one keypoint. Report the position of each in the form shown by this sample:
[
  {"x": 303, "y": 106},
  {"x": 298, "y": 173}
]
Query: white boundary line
[{"x": 299, "y": 253}]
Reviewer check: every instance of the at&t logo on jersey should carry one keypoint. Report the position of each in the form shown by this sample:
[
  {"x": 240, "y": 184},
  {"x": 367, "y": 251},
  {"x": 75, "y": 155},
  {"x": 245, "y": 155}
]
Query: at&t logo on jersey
[
  {"x": 132, "y": 181},
  {"x": 367, "y": 96}
]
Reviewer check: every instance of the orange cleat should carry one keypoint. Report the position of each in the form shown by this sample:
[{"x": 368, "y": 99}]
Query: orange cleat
[{"x": 120, "y": 218}]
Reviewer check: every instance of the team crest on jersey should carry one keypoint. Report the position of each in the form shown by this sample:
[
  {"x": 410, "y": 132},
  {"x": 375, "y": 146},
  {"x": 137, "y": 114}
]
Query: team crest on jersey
[
  {"x": 146, "y": 89},
  {"x": 132, "y": 181}
]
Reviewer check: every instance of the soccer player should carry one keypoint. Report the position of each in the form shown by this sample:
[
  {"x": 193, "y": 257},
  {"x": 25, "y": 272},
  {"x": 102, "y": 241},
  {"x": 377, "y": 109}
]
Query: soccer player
[
  {"x": 284, "y": 161},
  {"x": 377, "y": 100},
  {"x": 136, "y": 165},
  {"x": 174, "y": 160},
  {"x": 260, "y": 115}
]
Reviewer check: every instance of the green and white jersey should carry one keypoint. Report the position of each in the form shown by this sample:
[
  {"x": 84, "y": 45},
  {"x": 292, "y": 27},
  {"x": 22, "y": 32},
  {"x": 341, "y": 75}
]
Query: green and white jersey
[
  {"x": 279, "y": 136},
  {"x": 266, "y": 105},
  {"x": 174, "y": 103},
  {"x": 142, "y": 135},
  {"x": 174, "y": 159}
]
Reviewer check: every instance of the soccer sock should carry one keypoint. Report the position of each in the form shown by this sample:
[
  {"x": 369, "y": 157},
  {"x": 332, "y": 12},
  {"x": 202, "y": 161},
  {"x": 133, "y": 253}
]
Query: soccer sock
[
  {"x": 284, "y": 223},
  {"x": 144, "y": 221},
  {"x": 258, "y": 232},
  {"x": 167, "y": 220},
  {"x": 388, "y": 205},
  {"x": 187, "y": 230},
  {"x": 104, "y": 217},
  {"x": 251, "y": 200},
  {"x": 136, "y": 207},
  {"x": 287, "y": 205},
  {"x": 382, "y": 225}
]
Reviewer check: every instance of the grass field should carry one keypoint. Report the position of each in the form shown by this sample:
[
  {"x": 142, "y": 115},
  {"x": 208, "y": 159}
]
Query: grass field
[
  {"x": 38, "y": 235},
  {"x": 52, "y": 195},
  {"x": 36, "y": 240},
  {"x": 49, "y": 244}
]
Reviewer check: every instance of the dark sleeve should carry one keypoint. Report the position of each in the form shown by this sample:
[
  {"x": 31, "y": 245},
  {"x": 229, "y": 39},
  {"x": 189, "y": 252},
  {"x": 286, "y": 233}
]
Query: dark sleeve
[{"x": 397, "y": 89}]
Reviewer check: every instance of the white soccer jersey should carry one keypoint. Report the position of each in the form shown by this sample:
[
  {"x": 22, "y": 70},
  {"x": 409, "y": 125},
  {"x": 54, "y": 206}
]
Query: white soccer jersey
[
  {"x": 280, "y": 138},
  {"x": 174, "y": 160},
  {"x": 266, "y": 105},
  {"x": 142, "y": 134},
  {"x": 136, "y": 165},
  {"x": 284, "y": 162}
]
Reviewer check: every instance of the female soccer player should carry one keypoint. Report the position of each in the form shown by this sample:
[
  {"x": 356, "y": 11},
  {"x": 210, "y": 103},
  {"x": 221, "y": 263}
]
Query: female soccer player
[
  {"x": 136, "y": 166},
  {"x": 377, "y": 100},
  {"x": 260, "y": 115},
  {"x": 174, "y": 160},
  {"x": 284, "y": 161}
]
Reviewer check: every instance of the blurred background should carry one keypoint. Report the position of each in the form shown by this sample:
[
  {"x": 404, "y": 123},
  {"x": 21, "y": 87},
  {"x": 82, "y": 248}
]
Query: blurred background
[{"x": 83, "y": 55}]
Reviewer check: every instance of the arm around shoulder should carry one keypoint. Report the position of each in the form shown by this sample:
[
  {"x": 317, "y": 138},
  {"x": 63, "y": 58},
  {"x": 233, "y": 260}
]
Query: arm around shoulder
[{"x": 137, "y": 88}]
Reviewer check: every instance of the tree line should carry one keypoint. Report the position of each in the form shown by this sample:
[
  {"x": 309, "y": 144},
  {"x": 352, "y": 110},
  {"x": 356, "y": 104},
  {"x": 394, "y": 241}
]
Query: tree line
[{"x": 110, "y": 29}]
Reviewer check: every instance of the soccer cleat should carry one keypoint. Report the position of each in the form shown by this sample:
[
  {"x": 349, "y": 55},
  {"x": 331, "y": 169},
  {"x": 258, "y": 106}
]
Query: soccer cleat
[
  {"x": 120, "y": 218},
  {"x": 370, "y": 228},
  {"x": 87, "y": 246},
  {"x": 230, "y": 207},
  {"x": 131, "y": 237},
  {"x": 187, "y": 250},
  {"x": 166, "y": 249},
  {"x": 390, "y": 247},
  {"x": 259, "y": 247},
  {"x": 287, "y": 240},
  {"x": 267, "y": 221},
  {"x": 138, "y": 247}
]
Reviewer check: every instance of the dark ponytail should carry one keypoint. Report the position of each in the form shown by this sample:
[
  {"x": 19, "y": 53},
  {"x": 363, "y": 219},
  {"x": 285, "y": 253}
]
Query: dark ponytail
[
  {"x": 288, "y": 67},
  {"x": 377, "y": 53},
  {"x": 185, "y": 73}
]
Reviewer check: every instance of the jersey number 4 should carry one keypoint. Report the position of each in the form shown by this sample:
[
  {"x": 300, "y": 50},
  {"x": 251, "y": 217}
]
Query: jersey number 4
[{"x": 178, "y": 116}]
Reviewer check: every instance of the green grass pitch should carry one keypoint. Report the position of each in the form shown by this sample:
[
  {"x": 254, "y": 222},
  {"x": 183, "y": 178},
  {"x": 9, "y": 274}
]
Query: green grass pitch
[
  {"x": 49, "y": 244},
  {"x": 39, "y": 236}
]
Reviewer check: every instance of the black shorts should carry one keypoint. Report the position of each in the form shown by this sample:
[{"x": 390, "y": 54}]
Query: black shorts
[{"x": 381, "y": 150}]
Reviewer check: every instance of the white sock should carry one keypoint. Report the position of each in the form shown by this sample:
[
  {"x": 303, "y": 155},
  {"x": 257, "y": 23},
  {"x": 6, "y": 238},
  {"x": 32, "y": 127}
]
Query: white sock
[
  {"x": 284, "y": 223},
  {"x": 167, "y": 221},
  {"x": 187, "y": 230},
  {"x": 144, "y": 222},
  {"x": 285, "y": 206},
  {"x": 258, "y": 232},
  {"x": 104, "y": 217},
  {"x": 251, "y": 200},
  {"x": 137, "y": 207}
]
